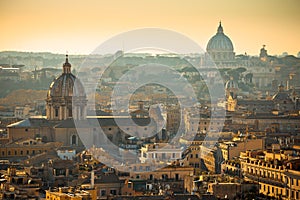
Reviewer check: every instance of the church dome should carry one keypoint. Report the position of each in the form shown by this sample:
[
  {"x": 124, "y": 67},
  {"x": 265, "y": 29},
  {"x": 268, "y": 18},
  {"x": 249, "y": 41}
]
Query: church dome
[
  {"x": 60, "y": 97},
  {"x": 66, "y": 85},
  {"x": 219, "y": 42}
]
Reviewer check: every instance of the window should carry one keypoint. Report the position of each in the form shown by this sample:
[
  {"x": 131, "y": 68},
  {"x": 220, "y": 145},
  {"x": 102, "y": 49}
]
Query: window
[
  {"x": 113, "y": 192},
  {"x": 81, "y": 111},
  {"x": 103, "y": 193},
  {"x": 70, "y": 112},
  {"x": 151, "y": 177},
  {"x": 164, "y": 176},
  {"x": 56, "y": 112},
  {"x": 74, "y": 140},
  {"x": 176, "y": 177}
]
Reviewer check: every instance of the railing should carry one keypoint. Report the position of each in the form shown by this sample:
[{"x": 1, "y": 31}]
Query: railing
[{"x": 265, "y": 180}]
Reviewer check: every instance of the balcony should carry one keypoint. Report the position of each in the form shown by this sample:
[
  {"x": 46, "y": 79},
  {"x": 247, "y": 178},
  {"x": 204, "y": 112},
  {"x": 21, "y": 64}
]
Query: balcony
[{"x": 265, "y": 180}]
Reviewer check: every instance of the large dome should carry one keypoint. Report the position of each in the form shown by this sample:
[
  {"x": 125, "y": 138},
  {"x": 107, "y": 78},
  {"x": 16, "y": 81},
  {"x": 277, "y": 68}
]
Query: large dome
[
  {"x": 219, "y": 42},
  {"x": 220, "y": 48},
  {"x": 66, "y": 85},
  {"x": 60, "y": 102}
]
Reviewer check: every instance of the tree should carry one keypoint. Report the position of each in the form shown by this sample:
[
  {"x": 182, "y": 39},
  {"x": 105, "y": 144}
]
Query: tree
[{"x": 236, "y": 73}]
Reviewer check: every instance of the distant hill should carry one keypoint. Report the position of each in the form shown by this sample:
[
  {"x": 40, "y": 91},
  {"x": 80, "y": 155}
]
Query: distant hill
[{"x": 23, "y": 97}]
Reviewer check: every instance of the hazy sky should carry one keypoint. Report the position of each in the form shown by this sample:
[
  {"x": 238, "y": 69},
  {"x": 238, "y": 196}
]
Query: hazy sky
[{"x": 80, "y": 26}]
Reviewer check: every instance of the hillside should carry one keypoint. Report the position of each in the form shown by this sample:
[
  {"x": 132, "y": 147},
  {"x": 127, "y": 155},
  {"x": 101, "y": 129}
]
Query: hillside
[{"x": 23, "y": 97}]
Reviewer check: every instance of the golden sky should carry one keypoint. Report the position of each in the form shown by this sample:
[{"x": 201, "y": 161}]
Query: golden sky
[{"x": 79, "y": 26}]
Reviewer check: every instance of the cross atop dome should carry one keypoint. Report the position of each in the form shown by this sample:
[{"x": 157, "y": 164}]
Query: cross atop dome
[
  {"x": 67, "y": 66},
  {"x": 220, "y": 28}
]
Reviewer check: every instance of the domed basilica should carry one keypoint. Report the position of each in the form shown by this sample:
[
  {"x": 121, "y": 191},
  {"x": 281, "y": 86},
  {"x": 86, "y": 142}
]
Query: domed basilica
[
  {"x": 66, "y": 97},
  {"x": 220, "y": 48},
  {"x": 66, "y": 102}
]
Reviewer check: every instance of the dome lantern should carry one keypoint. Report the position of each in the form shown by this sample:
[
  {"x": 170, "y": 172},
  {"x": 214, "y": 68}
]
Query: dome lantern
[
  {"x": 67, "y": 66},
  {"x": 220, "y": 28}
]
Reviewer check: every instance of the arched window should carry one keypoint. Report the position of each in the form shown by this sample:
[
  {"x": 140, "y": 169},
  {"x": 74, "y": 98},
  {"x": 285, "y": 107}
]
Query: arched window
[{"x": 73, "y": 140}]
